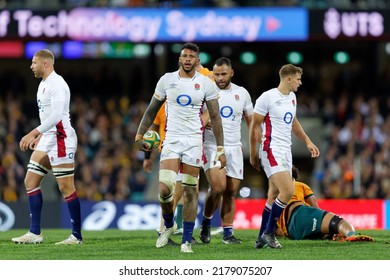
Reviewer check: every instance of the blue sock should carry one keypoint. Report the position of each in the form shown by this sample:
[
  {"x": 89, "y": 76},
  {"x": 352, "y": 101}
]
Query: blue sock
[
  {"x": 168, "y": 220},
  {"x": 73, "y": 203},
  {"x": 35, "y": 203},
  {"x": 264, "y": 219},
  {"x": 188, "y": 229},
  {"x": 276, "y": 211},
  {"x": 227, "y": 231}
]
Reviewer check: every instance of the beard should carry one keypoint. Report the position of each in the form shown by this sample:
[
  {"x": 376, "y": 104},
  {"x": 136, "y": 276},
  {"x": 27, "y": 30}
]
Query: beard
[
  {"x": 186, "y": 69},
  {"x": 225, "y": 84},
  {"x": 37, "y": 74}
]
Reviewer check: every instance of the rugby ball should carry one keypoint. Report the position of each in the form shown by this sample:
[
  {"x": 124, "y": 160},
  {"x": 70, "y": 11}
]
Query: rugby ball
[{"x": 152, "y": 138}]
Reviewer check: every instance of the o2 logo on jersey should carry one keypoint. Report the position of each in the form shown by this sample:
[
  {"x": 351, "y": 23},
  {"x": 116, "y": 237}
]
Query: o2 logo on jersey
[
  {"x": 226, "y": 111},
  {"x": 184, "y": 100},
  {"x": 288, "y": 117}
]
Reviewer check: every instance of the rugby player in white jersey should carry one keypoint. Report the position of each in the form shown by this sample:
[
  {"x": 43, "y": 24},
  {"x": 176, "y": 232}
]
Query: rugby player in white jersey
[
  {"x": 185, "y": 92},
  {"x": 54, "y": 144},
  {"x": 273, "y": 120},
  {"x": 234, "y": 103}
]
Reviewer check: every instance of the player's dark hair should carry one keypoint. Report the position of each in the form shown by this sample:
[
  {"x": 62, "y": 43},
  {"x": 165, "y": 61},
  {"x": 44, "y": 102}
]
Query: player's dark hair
[
  {"x": 223, "y": 61},
  {"x": 295, "y": 173},
  {"x": 190, "y": 46}
]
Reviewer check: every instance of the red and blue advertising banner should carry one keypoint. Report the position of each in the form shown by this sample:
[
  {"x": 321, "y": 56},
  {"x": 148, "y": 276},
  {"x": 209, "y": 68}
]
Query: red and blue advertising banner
[{"x": 362, "y": 214}]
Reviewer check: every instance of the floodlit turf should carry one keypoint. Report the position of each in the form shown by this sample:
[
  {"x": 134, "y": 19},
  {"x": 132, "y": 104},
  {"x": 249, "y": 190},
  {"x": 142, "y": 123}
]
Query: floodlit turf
[{"x": 140, "y": 245}]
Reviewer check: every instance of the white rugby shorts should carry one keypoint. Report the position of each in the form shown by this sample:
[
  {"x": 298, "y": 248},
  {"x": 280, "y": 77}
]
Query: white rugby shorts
[
  {"x": 60, "y": 150},
  {"x": 187, "y": 149},
  {"x": 234, "y": 159},
  {"x": 276, "y": 160}
]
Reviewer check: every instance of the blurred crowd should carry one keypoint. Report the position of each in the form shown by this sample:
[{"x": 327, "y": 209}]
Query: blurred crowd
[
  {"x": 356, "y": 158},
  {"x": 355, "y": 161},
  {"x": 108, "y": 164}
]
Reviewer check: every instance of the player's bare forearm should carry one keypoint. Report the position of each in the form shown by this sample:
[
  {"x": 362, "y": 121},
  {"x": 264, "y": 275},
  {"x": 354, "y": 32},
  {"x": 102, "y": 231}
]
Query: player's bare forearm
[
  {"x": 150, "y": 114},
  {"x": 205, "y": 118},
  {"x": 248, "y": 120},
  {"x": 254, "y": 139},
  {"x": 312, "y": 201},
  {"x": 215, "y": 117},
  {"x": 255, "y": 132},
  {"x": 300, "y": 134}
]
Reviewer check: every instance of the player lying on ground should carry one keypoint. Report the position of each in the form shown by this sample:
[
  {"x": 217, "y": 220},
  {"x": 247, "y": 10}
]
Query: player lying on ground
[{"x": 303, "y": 219}]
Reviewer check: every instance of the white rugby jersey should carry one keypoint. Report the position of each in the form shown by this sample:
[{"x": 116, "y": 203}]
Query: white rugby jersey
[
  {"x": 232, "y": 104},
  {"x": 279, "y": 111},
  {"x": 184, "y": 102},
  {"x": 53, "y": 99}
]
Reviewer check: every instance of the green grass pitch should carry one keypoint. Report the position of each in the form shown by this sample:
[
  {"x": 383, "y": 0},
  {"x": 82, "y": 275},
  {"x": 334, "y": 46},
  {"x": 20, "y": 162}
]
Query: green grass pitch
[{"x": 114, "y": 244}]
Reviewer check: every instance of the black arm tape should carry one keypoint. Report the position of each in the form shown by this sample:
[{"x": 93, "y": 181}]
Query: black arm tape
[{"x": 148, "y": 154}]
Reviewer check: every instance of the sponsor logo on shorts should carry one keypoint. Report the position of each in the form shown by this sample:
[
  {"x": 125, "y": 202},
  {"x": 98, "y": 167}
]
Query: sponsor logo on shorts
[{"x": 314, "y": 224}]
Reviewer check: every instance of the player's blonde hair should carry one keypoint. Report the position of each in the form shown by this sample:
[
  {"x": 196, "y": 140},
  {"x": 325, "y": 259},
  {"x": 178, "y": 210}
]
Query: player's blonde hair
[
  {"x": 45, "y": 54},
  {"x": 289, "y": 69}
]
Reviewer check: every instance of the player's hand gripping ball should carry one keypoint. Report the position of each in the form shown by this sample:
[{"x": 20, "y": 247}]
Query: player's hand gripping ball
[{"x": 152, "y": 138}]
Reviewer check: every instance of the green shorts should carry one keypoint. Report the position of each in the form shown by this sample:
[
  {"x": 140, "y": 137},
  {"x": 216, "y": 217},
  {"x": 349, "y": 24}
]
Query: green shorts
[{"x": 305, "y": 223}]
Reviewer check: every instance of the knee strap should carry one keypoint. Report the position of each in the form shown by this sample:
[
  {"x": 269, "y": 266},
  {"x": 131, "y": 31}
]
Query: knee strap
[
  {"x": 166, "y": 199},
  {"x": 168, "y": 178},
  {"x": 63, "y": 172},
  {"x": 189, "y": 181},
  {"x": 37, "y": 168},
  {"x": 334, "y": 224}
]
